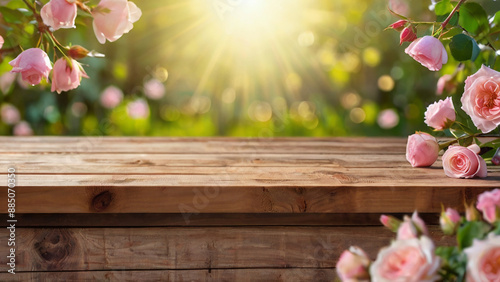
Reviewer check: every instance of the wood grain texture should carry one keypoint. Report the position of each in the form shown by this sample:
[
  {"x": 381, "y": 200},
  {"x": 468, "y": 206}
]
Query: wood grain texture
[
  {"x": 229, "y": 275},
  {"x": 78, "y": 249}
]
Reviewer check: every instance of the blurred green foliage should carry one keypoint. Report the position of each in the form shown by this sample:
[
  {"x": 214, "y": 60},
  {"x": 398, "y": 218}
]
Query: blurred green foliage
[{"x": 307, "y": 68}]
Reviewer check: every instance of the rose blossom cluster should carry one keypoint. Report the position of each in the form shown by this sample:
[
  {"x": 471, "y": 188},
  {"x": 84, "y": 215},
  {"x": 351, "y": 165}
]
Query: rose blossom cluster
[
  {"x": 111, "y": 19},
  {"x": 412, "y": 255}
]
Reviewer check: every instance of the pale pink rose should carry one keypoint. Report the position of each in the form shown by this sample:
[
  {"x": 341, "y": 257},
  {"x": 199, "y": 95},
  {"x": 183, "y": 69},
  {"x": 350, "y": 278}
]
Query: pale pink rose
[
  {"x": 23, "y": 129},
  {"x": 464, "y": 162},
  {"x": 353, "y": 265},
  {"x": 113, "y": 18},
  {"x": 422, "y": 149},
  {"x": 67, "y": 76},
  {"x": 408, "y": 260},
  {"x": 483, "y": 259},
  {"x": 1, "y": 42},
  {"x": 445, "y": 82},
  {"x": 33, "y": 64},
  {"x": 441, "y": 114},
  {"x": 449, "y": 220},
  {"x": 388, "y": 119},
  {"x": 428, "y": 51},
  {"x": 489, "y": 203},
  {"x": 10, "y": 114},
  {"x": 138, "y": 109},
  {"x": 59, "y": 14},
  {"x": 154, "y": 89},
  {"x": 481, "y": 98},
  {"x": 111, "y": 97}
]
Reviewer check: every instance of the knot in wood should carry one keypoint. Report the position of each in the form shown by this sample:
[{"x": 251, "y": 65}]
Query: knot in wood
[
  {"x": 102, "y": 200},
  {"x": 54, "y": 246}
]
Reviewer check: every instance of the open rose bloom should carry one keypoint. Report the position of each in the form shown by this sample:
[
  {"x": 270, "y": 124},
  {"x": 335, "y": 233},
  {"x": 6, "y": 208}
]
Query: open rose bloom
[
  {"x": 464, "y": 162},
  {"x": 113, "y": 18},
  {"x": 489, "y": 203},
  {"x": 483, "y": 259},
  {"x": 441, "y": 114},
  {"x": 481, "y": 99},
  {"x": 407, "y": 260},
  {"x": 33, "y": 64}
]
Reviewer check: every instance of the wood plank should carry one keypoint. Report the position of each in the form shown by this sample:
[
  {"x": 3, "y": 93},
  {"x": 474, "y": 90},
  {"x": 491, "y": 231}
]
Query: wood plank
[
  {"x": 61, "y": 163},
  {"x": 99, "y": 145},
  {"x": 230, "y": 275},
  {"x": 216, "y": 199},
  {"x": 77, "y": 249}
]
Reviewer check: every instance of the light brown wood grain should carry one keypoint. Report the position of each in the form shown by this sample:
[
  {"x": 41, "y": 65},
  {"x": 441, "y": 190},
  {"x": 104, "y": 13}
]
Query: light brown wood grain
[
  {"x": 77, "y": 249},
  {"x": 229, "y": 275}
]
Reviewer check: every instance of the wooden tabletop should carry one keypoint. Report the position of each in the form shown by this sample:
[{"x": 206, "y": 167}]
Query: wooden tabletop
[{"x": 212, "y": 208}]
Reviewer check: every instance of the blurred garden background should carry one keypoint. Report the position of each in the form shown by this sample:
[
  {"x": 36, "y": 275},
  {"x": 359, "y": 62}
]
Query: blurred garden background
[{"x": 256, "y": 68}]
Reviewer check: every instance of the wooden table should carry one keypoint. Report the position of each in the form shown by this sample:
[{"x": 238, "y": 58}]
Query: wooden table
[{"x": 210, "y": 209}]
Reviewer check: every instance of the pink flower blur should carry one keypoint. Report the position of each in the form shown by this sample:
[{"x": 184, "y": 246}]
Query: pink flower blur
[
  {"x": 138, "y": 109},
  {"x": 10, "y": 114},
  {"x": 111, "y": 97},
  {"x": 388, "y": 119},
  {"x": 154, "y": 89},
  {"x": 23, "y": 129}
]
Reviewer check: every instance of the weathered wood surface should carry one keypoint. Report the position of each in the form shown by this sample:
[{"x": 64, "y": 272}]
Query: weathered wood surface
[
  {"x": 221, "y": 175},
  {"x": 78, "y": 249}
]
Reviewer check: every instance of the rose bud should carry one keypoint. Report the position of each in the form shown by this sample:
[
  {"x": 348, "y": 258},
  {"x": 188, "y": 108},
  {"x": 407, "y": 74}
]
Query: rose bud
[
  {"x": 412, "y": 227},
  {"x": 489, "y": 203},
  {"x": 481, "y": 99},
  {"x": 59, "y": 14},
  {"x": 496, "y": 158},
  {"x": 422, "y": 149},
  {"x": 33, "y": 64},
  {"x": 449, "y": 220},
  {"x": 67, "y": 75},
  {"x": 441, "y": 114},
  {"x": 113, "y": 18},
  {"x": 77, "y": 52},
  {"x": 445, "y": 82},
  {"x": 429, "y": 52},
  {"x": 390, "y": 222},
  {"x": 399, "y": 25},
  {"x": 353, "y": 265},
  {"x": 471, "y": 213},
  {"x": 407, "y": 35},
  {"x": 464, "y": 162}
]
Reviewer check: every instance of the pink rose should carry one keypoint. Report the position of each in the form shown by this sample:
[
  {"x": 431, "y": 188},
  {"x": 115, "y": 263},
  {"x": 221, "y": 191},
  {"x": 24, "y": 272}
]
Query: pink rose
[
  {"x": 138, "y": 109},
  {"x": 353, "y": 265},
  {"x": 154, "y": 89},
  {"x": 481, "y": 98},
  {"x": 483, "y": 259},
  {"x": 33, "y": 64},
  {"x": 428, "y": 51},
  {"x": 1, "y": 42},
  {"x": 407, "y": 260},
  {"x": 111, "y": 97},
  {"x": 422, "y": 149},
  {"x": 445, "y": 82},
  {"x": 489, "y": 203},
  {"x": 113, "y": 18},
  {"x": 441, "y": 114},
  {"x": 449, "y": 220},
  {"x": 59, "y": 14},
  {"x": 10, "y": 114},
  {"x": 464, "y": 162},
  {"x": 67, "y": 76},
  {"x": 23, "y": 129},
  {"x": 412, "y": 227}
]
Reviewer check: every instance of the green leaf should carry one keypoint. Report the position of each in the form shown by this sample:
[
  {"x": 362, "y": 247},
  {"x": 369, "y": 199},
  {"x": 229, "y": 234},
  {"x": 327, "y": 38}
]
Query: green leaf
[
  {"x": 473, "y": 18},
  {"x": 496, "y": 18},
  {"x": 464, "y": 47},
  {"x": 471, "y": 230},
  {"x": 11, "y": 16},
  {"x": 493, "y": 144},
  {"x": 466, "y": 142},
  {"x": 442, "y": 8},
  {"x": 453, "y": 21}
]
